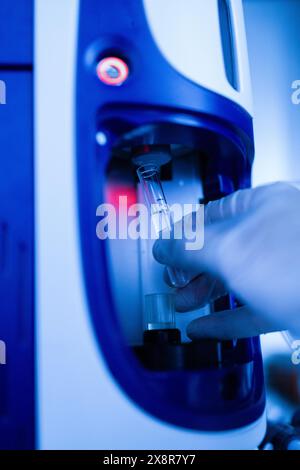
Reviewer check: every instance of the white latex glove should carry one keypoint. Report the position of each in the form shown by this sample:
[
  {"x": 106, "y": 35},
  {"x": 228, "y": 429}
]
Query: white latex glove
[{"x": 251, "y": 248}]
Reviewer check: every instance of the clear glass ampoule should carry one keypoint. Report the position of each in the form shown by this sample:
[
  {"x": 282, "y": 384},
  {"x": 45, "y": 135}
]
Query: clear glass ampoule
[
  {"x": 160, "y": 213},
  {"x": 159, "y": 312}
]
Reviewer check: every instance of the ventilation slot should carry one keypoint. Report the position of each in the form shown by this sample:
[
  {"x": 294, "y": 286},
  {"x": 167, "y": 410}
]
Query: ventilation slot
[{"x": 228, "y": 44}]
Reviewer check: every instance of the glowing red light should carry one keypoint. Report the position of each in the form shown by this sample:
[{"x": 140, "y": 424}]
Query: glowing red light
[
  {"x": 112, "y": 71},
  {"x": 115, "y": 191}
]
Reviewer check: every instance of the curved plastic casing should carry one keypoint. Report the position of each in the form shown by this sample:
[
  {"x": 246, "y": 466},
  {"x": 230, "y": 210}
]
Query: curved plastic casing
[{"x": 165, "y": 101}]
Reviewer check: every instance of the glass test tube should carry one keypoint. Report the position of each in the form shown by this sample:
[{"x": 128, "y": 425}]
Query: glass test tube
[
  {"x": 160, "y": 213},
  {"x": 159, "y": 312}
]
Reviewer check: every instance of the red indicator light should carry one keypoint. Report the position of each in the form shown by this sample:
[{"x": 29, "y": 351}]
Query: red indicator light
[
  {"x": 115, "y": 191},
  {"x": 112, "y": 71}
]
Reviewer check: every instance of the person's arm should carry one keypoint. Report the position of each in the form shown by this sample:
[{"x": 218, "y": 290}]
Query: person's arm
[{"x": 251, "y": 248}]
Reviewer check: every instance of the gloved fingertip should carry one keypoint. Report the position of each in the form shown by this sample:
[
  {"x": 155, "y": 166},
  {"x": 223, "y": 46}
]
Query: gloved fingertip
[
  {"x": 158, "y": 252},
  {"x": 206, "y": 327},
  {"x": 229, "y": 324},
  {"x": 166, "y": 277},
  {"x": 192, "y": 330},
  {"x": 180, "y": 307}
]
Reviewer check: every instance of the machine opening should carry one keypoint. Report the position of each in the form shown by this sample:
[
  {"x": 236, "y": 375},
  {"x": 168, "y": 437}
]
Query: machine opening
[{"x": 190, "y": 379}]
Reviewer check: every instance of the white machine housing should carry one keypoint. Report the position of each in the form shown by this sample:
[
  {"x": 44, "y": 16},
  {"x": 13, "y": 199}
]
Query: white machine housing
[{"x": 79, "y": 404}]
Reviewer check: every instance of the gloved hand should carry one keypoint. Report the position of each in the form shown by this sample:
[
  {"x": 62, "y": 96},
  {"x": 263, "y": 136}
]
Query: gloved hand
[{"x": 251, "y": 248}]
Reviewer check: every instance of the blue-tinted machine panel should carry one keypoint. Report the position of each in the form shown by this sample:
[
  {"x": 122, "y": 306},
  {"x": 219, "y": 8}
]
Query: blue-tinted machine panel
[
  {"x": 16, "y": 263},
  {"x": 16, "y": 39},
  {"x": 16, "y": 226}
]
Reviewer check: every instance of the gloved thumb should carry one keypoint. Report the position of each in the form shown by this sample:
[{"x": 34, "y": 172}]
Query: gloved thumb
[
  {"x": 230, "y": 324},
  {"x": 198, "y": 293}
]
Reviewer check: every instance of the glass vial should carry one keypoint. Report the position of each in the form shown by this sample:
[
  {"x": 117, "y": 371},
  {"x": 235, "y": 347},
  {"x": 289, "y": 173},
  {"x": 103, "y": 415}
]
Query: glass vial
[{"x": 160, "y": 213}]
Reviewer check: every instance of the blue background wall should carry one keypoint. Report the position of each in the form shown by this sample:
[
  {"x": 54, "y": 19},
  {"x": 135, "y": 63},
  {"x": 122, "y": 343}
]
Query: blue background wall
[{"x": 273, "y": 33}]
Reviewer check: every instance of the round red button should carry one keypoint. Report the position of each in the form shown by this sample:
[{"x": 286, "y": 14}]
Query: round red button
[{"x": 112, "y": 71}]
